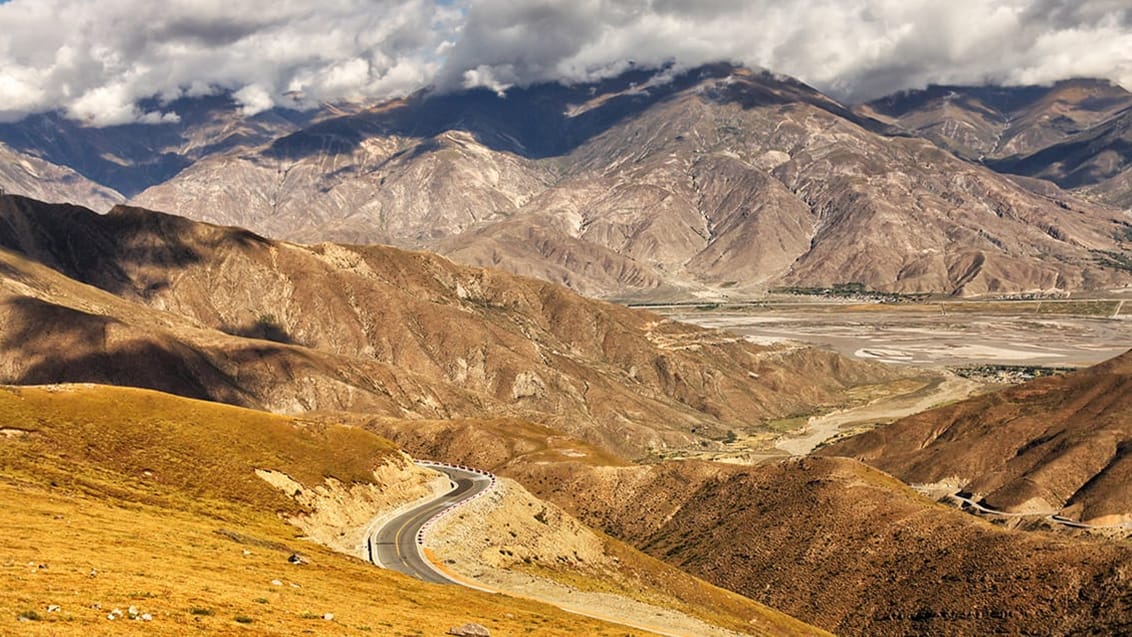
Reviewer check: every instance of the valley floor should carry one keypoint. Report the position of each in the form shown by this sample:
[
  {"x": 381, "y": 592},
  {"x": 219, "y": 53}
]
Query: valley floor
[{"x": 935, "y": 334}]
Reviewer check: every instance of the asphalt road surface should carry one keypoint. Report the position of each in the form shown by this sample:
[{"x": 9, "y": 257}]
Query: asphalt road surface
[{"x": 393, "y": 545}]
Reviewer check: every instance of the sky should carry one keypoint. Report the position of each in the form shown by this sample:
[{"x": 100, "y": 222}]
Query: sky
[{"x": 95, "y": 59}]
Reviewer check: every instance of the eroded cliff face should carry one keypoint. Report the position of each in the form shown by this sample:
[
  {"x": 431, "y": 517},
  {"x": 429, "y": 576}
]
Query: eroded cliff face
[{"x": 340, "y": 516}]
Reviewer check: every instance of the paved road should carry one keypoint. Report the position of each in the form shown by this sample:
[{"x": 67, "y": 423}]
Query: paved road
[
  {"x": 393, "y": 545},
  {"x": 1052, "y": 516}
]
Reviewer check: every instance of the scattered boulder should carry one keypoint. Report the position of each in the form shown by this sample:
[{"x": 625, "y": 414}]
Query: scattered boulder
[
  {"x": 298, "y": 559},
  {"x": 470, "y": 630}
]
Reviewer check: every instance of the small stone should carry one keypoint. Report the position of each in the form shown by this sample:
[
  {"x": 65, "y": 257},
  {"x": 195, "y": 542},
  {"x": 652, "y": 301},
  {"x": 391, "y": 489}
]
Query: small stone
[
  {"x": 294, "y": 585},
  {"x": 470, "y": 630},
  {"x": 247, "y": 552},
  {"x": 328, "y": 617},
  {"x": 94, "y": 572},
  {"x": 276, "y": 582},
  {"x": 146, "y": 617},
  {"x": 132, "y": 611},
  {"x": 298, "y": 559},
  {"x": 53, "y": 608}
]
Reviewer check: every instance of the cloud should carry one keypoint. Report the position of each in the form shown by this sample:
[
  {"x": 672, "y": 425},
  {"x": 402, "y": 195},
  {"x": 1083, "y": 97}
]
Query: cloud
[
  {"x": 96, "y": 60},
  {"x": 853, "y": 49}
]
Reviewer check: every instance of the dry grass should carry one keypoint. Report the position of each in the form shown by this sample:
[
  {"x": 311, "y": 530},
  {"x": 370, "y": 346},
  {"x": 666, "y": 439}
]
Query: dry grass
[
  {"x": 116, "y": 498},
  {"x": 649, "y": 580},
  {"x": 488, "y": 443},
  {"x": 151, "y": 447}
]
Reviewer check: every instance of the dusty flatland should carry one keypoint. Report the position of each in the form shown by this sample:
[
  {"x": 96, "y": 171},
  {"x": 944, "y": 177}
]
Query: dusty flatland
[{"x": 1051, "y": 332}]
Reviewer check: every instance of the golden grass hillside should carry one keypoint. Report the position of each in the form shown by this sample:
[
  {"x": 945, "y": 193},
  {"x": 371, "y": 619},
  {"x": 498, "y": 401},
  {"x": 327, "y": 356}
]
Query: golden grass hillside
[{"x": 118, "y": 498}]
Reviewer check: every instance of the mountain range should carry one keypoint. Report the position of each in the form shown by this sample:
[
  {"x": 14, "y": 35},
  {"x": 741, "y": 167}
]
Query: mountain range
[
  {"x": 1074, "y": 133},
  {"x": 719, "y": 181}
]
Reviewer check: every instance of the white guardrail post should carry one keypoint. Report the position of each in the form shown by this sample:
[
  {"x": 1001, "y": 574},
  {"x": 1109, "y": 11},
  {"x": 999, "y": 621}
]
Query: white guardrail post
[{"x": 438, "y": 465}]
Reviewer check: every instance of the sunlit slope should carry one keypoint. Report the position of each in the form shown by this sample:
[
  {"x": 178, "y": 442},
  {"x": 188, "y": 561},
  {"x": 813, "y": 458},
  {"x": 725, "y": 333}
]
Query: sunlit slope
[{"x": 115, "y": 498}]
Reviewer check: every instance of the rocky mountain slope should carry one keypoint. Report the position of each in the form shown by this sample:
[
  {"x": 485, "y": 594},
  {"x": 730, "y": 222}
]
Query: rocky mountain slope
[
  {"x": 721, "y": 180},
  {"x": 1096, "y": 162},
  {"x": 129, "y": 158},
  {"x": 829, "y": 540},
  {"x": 1061, "y": 444},
  {"x": 33, "y": 177},
  {"x": 1074, "y": 133},
  {"x": 221, "y": 313},
  {"x": 997, "y": 122}
]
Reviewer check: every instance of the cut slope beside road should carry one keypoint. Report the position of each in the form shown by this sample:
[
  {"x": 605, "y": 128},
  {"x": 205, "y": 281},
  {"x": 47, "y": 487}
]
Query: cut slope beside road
[
  {"x": 394, "y": 544},
  {"x": 397, "y": 543}
]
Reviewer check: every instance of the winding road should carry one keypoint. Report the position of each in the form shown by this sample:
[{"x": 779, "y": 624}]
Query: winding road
[
  {"x": 394, "y": 545},
  {"x": 1052, "y": 516}
]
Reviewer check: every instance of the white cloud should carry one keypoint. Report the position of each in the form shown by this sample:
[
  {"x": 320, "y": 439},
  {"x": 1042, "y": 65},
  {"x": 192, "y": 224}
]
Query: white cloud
[
  {"x": 95, "y": 60},
  {"x": 253, "y": 99}
]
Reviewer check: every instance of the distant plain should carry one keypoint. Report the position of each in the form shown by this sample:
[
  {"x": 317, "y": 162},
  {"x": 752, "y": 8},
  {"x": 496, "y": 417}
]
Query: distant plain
[{"x": 935, "y": 334}]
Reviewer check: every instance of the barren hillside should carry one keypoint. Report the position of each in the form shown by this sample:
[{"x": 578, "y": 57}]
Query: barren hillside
[
  {"x": 1059, "y": 444},
  {"x": 719, "y": 180},
  {"x": 239, "y": 318},
  {"x": 832, "y": 541},
  {"x": 1074, "y": 133},
  {"x": 179, "y": 535}
]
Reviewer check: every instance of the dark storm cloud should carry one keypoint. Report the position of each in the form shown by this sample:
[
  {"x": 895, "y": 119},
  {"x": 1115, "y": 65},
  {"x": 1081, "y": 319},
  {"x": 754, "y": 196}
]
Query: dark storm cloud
[{"x": 95, "y": 60}]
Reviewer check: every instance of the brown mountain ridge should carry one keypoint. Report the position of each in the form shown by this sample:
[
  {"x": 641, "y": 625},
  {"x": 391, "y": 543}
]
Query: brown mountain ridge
[
  {"x": 720, "y": 180},
  {"x": 1060, "y": 445},
  {"x": 224, "y": 314},
  {"x": 1074, "y": 133}
]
